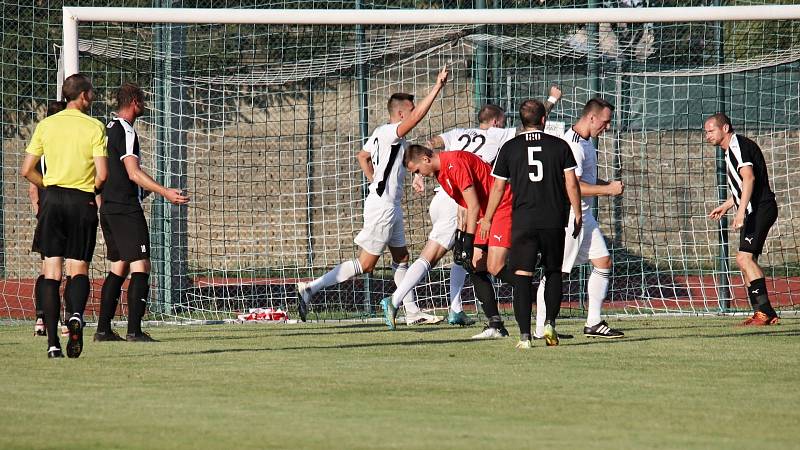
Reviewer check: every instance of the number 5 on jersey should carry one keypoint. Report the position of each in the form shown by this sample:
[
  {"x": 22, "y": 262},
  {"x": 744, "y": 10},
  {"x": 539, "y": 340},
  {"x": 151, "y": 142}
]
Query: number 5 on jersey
[{"x": 537, "y": 172}]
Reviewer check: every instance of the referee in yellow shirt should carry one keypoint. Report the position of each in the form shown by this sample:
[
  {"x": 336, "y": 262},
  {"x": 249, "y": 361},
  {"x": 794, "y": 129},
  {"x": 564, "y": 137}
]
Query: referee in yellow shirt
[{"x": 74, "y": 146}]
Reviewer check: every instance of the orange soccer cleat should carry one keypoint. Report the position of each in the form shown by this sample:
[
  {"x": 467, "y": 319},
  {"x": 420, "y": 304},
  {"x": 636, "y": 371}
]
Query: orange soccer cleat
[{"x": 760, "y": 319}]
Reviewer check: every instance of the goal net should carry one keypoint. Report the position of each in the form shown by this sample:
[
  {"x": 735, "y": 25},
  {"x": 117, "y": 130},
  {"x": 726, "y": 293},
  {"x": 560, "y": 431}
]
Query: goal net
[{"x": 261, "y": 123}]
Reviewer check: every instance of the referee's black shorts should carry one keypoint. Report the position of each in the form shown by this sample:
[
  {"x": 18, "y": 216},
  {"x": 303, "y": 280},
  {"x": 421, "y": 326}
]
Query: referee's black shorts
[
  {"x": 527, "y": 243},
  {"x": 67, "y": 224},
  {"x": 35, "y": 246},
  {"x": 126, "y": 235},
  {"x": 756, "y": 228}
]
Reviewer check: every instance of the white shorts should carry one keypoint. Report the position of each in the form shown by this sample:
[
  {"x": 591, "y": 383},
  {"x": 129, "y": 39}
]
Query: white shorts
[
  {"x": 444, "y": 215},
  {"x": 383, "y": 225},
  {"x": 590, "y": 244}
]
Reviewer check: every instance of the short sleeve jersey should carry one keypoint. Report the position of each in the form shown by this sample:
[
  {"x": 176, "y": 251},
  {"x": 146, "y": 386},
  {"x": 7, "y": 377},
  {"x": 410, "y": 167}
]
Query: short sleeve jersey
[
  {"x": 120, "y": 194},
  {"x": 69, "y": 140},
  {"x": 387, "y": 150},
  {"x": 483, "y": 143},
  {"x": 744, "y": 152},
  {"x": 585, "y": 154},
  {"x": 534, "y": 163},
  {"x": 460, "y": 170}
]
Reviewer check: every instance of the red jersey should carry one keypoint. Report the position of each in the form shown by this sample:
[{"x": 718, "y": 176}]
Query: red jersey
[{"x": 460, "y": 170}]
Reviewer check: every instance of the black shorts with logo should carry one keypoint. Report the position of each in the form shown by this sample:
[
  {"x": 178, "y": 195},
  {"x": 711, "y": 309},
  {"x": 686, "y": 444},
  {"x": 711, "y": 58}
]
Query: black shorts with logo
[
  {"x": 756, "y": 228},
  {"x": 67, "y": 224},
  {"x": 126, "y": 234}
]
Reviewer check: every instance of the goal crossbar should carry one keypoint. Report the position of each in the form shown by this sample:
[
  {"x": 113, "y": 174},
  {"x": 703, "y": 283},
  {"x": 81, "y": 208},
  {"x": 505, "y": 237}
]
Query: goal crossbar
[{"x": 73, "y": 15}]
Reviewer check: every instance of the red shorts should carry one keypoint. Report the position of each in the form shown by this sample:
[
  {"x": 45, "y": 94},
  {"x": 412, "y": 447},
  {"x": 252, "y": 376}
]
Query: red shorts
[{"x": 499, "y": 233}]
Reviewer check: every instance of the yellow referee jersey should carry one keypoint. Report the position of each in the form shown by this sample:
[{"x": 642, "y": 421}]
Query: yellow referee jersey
[{"x": 69, "y": 140}]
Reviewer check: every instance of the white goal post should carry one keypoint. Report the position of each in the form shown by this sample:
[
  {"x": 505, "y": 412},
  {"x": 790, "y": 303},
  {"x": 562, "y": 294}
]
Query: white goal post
[{"x": 73, "y": 15}]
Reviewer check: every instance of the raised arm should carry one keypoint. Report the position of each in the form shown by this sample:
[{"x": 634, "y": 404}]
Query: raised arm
[
  {"x": 554, "y": 97},
  {"x": 424, "y": 105}
]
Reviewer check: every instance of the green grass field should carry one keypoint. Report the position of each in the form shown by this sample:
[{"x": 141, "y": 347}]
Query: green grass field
[{"x": 671, "y": 383}]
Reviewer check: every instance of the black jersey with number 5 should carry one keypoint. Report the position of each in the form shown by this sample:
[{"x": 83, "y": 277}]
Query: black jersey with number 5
[{"x": 534, "y": 164}]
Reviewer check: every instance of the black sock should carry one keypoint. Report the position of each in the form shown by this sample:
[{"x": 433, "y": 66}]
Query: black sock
[
  {"x": 485, "y": 293},
  {"x": 77, "y": 291},
  {"x": 752, "y": 298},
  {"x": 37, "y": 297},
  {"x": 68, "y": 308},
  {"x": 552, "y": 295},
  {"x": 138, "y": 290},
  {"x": 758, "y": 289},
  {"x": 51, "y": 307},
  {"x": 109, "y": 298},
  {"x": 523, "y": 303},
  {"x": 505, "y": 275}
]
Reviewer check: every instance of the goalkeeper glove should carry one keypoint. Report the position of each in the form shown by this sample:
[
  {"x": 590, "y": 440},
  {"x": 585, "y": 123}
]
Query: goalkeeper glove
[
  {"x": 467, "y": 251},
  {"x": 457, "y": 246}
]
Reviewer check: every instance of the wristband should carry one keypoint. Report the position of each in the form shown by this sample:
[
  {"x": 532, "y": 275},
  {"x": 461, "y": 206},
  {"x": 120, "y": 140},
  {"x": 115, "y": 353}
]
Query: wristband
[
  {"x": 552, "y": 100},
  {"x": 98, "y": 190}
]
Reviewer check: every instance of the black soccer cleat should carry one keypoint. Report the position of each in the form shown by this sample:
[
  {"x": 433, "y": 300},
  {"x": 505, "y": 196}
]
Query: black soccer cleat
[
  {"x": 107, "y": 336},
  {"x": 139, "y": 337},
  {"x": 75, "y": 339},
  {"x": 54, "y": 352},
  {"x": 602, "y": 330},
  {"x": 303, "y": 298}
]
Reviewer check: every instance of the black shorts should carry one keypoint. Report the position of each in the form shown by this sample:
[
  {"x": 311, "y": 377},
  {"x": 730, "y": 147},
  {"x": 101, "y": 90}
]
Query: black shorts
[
  {"x": 35, "y": 246},
  {"x": 126, "y": 235},
  {"x": 67, "y": 224},
  {"x": 527, "y": 243},
  {"x": 756, "y": 228}
]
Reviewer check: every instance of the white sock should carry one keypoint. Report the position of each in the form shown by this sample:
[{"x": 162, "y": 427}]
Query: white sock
[
  {"x": 597, "y": 290},
  {"x": 406, "y": 278},
  {"x": 541, "y": 309},
  {"x": 338, "y": 274},
  {"x": 457, "y": 276}
]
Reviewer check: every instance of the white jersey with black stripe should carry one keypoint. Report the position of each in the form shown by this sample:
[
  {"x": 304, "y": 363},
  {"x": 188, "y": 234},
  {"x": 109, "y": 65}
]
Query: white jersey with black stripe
[
  {"x": 387, "y": 151},
  {"x": 585, "y": 155}
]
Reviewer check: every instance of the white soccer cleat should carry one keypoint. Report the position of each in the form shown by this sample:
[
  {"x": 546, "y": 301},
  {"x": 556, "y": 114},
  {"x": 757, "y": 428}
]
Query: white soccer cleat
[
  {"x": 421, "y": 318},
  {"x": 524, "y": 345},
  {"x": 491, "y": 333}
]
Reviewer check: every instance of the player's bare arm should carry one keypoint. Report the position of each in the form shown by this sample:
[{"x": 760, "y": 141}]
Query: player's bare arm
[
  {"x": 424, "y": 106},
  {"x": 554, "y": 94},
  {"x": 33, "y": 195},
  {"x": 145, "y": 181},
  {"x": 473, "y": 209},
  {"x": 29, "y": 172},
  {"x": 602, "y": 188},
  {"x": 495, "y": 196},
  {"x": 748, "y": 182},
  {"x": 418, "y": 183},
  {"x": 574, "y": 193},
  {"x": 365, "y": 162},
  {"x": 719, "y": 211}
]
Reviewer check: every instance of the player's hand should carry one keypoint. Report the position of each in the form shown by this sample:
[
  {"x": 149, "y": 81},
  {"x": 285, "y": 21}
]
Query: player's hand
[
  {"x": 418, "y": 184},
  {"x": 176, "y": 197},
  {"x": 718, "y": 212},
  {"x": 485, "y": 225},
  {"x": 467, "y": 251},
  {"x": 578, "y": 225},
  {"x": 555, "y": 91},
  {"x": 738, "y": 220},
  {"x": 441, "y": 79},
  {"x": 99, "y": 200},
  {"x": 615, "y": 187},
  {"x": 458, "y": 244}
]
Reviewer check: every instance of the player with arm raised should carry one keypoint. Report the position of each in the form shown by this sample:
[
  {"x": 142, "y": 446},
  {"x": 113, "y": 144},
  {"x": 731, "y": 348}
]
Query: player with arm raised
[
  {"x": 589, "y": 245},
  {"x": 122, "y": 219},
  {"x": 484, "y": 142},
  {"x": 541, "y": 171},
  {"x": 756, "y": 210},
  {"x": 467, "y": 179},
  {"x": 381, "y": 159}
]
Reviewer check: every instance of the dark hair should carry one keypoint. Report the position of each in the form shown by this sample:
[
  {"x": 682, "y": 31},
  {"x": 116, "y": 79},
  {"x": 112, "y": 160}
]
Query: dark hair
[
  {"x": 74, "y": 85},
  {"x": 127, "y": 93},
  {"x": 596, "y": 105},
  {"x": 722, "y": 119},
  {"x": 490, "y": 112},
  {"x": 531, "y": 113},
  {"x": 55, "y": 107},
  {"x": 415, "y": 152},
  {"x": 396, "y": 99}
]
